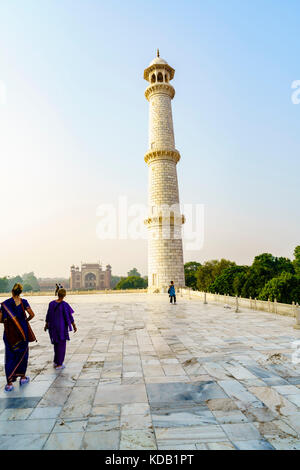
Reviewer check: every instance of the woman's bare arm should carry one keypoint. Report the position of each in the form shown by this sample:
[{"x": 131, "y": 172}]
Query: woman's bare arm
[{"x": 31, "y": 313}]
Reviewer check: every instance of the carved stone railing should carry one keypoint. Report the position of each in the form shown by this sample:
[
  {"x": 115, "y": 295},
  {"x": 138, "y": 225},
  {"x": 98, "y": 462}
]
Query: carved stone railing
[{"x": 290, "y": 310}]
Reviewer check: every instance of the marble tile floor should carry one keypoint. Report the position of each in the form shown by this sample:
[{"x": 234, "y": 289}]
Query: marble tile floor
[{"x": 143, "y": 374}]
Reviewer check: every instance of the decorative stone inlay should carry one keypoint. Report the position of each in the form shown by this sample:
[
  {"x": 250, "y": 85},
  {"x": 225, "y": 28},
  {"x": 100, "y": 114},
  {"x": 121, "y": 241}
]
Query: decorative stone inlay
[
  {"x": 159, "y": 88},
  {"x": 157, "y": 220},
  {"x": 152, "y": 155}
]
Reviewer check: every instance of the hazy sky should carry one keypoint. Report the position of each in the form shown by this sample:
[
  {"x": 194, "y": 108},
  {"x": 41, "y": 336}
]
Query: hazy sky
[{"x": 74, "y": 125}]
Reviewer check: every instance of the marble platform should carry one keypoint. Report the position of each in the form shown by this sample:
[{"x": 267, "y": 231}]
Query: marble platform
[{"x": 143, "y": 374}]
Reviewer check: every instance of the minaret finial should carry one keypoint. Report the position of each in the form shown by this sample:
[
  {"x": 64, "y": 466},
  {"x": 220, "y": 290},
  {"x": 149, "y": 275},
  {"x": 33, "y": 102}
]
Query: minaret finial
[{"x": 157, "y": 53}]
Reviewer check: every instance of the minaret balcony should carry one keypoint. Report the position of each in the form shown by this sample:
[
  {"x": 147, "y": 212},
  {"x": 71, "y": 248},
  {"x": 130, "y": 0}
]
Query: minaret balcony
[
  {"x": 154, "y": 155},
  {"x": 158, "y": 88}
]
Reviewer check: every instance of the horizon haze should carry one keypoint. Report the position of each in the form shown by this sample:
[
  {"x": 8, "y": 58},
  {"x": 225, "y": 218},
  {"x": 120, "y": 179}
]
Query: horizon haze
[{"x": 74, "y": 126}]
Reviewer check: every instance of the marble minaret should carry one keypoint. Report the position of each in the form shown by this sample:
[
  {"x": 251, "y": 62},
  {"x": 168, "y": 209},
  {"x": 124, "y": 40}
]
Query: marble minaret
[{"x": 164, "y": 222}]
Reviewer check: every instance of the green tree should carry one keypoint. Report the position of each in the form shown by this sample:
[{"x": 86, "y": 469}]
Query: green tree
[
  {"x": 209, "y": 271},
  {"x": 226, "y": 282},
  {"x": 296, "y": 261},
  {"x": 239, "y": 281},
  {"x": 115, "y": 280},
  {"x": 190, "y": 273},
  {"x": 284, "y": 265},
  {"x": 27, "y": 287},
  {"x": 3, "y": 284},
  {"x": 14, "y": 280},
  {"x": 262, "y": 270},
  {"x": 284, "y": 288},
  {"x": 29, "y": 278},
  {"x": 132, "y": 282},
  {"x": 133, "y": 272}
]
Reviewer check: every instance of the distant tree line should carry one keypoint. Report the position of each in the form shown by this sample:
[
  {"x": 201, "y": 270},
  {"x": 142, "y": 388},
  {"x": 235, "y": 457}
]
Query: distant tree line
[
  {"x": 30, "y": 283},
  {"x": 269, "y": 277},
  {"x": 28, "y": 280},
  {"x": 134, "y": 280}
]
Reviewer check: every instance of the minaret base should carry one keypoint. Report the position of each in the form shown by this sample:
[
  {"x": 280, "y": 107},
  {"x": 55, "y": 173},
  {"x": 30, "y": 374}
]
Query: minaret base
[{"x": 165, "y": 261}]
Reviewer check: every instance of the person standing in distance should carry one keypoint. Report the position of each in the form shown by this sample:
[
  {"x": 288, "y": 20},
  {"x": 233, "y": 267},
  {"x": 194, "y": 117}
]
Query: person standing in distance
[{"x": 172, "y": 293}]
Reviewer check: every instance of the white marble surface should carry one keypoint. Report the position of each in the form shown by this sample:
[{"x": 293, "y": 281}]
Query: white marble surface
[{"x": 142, "y": 374}]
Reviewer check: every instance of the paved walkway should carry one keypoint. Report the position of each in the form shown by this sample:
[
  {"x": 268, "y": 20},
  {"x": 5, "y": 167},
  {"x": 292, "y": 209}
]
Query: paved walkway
[{"x": 143, "y": 374}]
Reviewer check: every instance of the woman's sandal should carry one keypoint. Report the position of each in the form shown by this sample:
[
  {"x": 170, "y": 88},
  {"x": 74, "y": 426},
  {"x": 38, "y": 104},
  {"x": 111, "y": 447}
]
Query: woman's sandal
[
  {"x": 8, "y": 388},
  {"x": 24, "y": 381},
  {"x": 60, "y": 367}
]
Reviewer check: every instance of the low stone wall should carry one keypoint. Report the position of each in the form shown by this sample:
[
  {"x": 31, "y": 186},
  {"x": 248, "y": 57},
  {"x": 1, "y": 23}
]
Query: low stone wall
[
  {"x": 81, "y": 292},
  {"x": 108, "y": 291},
  {"x": 253, "y": 304}
]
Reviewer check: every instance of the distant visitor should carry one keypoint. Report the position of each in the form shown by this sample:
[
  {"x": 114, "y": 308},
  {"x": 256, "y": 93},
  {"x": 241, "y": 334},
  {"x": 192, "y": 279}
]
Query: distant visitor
[{"x": 172, "y": 293}]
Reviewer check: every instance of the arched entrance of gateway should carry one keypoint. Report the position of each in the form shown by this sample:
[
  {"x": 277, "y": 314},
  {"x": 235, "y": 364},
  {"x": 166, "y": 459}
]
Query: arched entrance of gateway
[{"x": 90, "y": 281}]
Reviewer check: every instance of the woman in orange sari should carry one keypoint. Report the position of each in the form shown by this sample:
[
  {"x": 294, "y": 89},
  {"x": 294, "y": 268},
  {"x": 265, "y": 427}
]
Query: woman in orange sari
[{"x": 16, "y": 336}]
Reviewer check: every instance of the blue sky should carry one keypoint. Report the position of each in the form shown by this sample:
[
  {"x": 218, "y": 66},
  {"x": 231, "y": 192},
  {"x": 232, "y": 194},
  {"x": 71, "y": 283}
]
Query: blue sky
[{"x": 74, "y": 128}]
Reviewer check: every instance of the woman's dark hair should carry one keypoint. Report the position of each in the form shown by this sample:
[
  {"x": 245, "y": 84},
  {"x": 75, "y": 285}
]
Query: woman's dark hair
[{"x": 17, "y": 289}]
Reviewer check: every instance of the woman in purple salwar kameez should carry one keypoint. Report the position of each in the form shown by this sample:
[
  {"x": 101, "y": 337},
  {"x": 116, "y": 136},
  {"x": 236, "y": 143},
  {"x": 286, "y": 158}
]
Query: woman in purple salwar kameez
[
  {"x": 15, "y": 337},
  {"x": 59, "y": 322}
]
